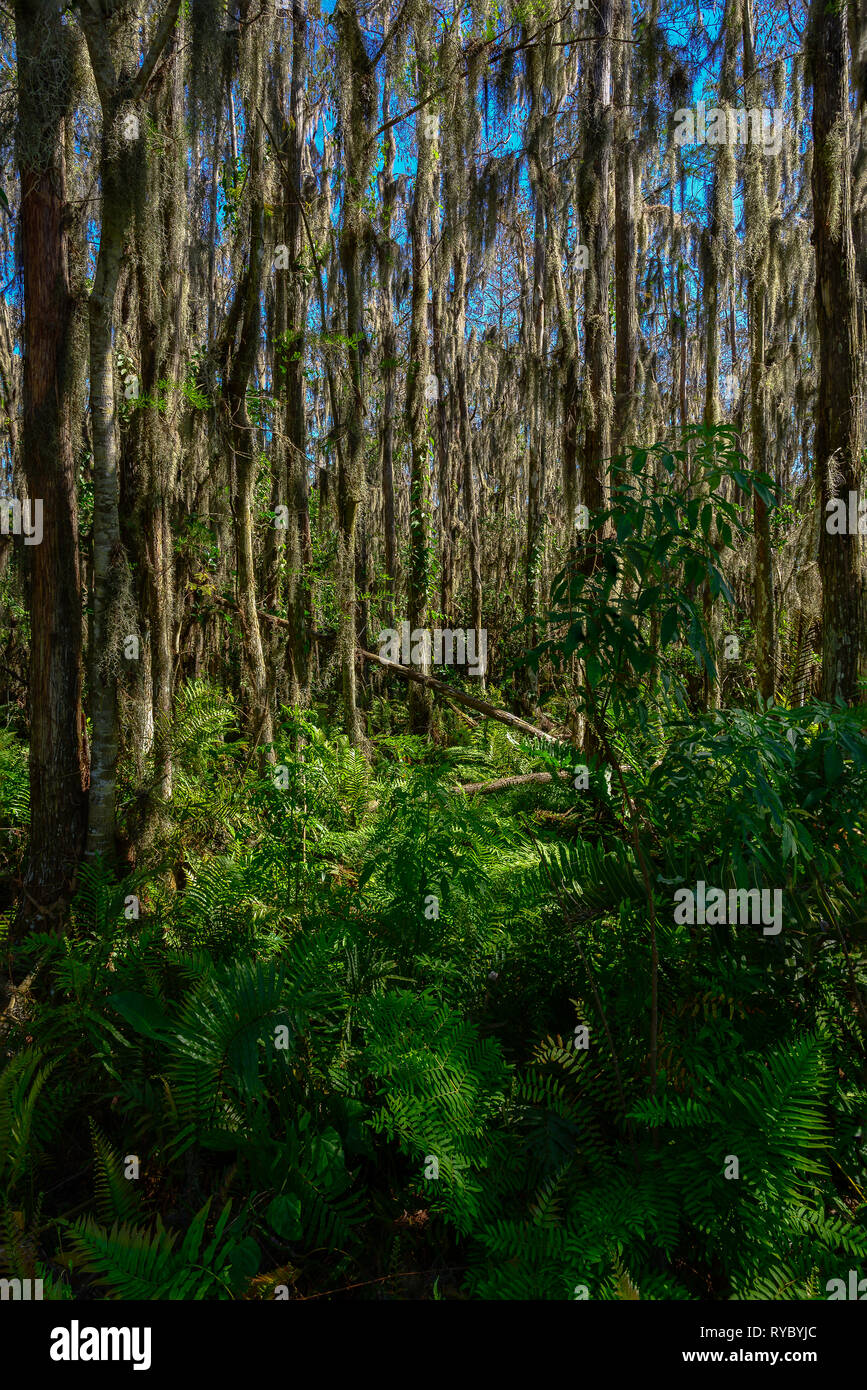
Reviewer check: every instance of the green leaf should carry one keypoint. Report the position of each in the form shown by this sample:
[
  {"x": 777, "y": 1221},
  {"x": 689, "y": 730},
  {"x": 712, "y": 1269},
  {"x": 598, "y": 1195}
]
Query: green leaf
[
  {"x": 284, "y": 1216},
  {"x": 143, "y": 1013},
  {"x": 244, "y": 1262},
  {"x": 669, "y": 626},
  {"x": 833, "y": 762},
  {"x": 326, "y": 1153}
]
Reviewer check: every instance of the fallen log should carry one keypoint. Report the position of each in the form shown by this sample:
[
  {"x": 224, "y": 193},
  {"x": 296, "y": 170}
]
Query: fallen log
[
  {"x": 471, "y": 701},
  {"x": 500, "y": 785},
  {"x": 227, "y": 603},
  {"x": 272, "y": 618},
  {"x": 504, "y": 783}
]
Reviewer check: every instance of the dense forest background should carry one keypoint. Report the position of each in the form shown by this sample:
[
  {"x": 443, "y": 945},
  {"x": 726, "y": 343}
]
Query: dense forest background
[{"x": 526, "y": 960}]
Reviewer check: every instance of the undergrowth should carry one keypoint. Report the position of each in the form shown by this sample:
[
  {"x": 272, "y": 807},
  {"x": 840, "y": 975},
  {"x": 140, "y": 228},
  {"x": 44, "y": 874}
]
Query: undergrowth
[{"x": 348, "y": 1028}]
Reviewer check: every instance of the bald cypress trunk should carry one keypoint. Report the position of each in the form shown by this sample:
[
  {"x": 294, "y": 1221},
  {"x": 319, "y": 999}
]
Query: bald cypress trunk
[
  {"x": 358, "y": 104},
  {"x": 465, "y": 436},
  {"x": 57, "y": 752},
  {"x": 714, "y": 257},
  {"x": 683, "y": 321},
  {"x": 244, "y": 319},
  {"x": 154, "y": 452},
  {"x": 112, "y": 57},
  {"x": 113, "y": 45},
  {"x": 596, "y": 225},
  {"x": 755, "y": 213},
  {"x": 839, "y": 405},
  {"x": 459, "y": 152},
  {"x": 536, "y": 437},
  {"x": 170, "y": 459},
  {"x": 387, "y": 253},
  {"x": 625, "y": 263},
  {"x": 763, "y": 588},
  {"x": 442, "y": 434},
  {"x": 416, "y": 381},
  {"x": 299, "y": 559}
]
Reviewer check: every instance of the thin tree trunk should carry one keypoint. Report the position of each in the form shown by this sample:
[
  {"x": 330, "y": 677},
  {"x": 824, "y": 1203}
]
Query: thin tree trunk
[
  {"x": 714, "y": 254},
  {"x": 536, "y": 442},
  {"x": 755, "y": 212},
  {"x": 442, "y": 435},
  {"x": 625, "y": 265},
  {"x": 243, "y": 438},
  {"x": 416, "y": 405},
  {"x": 358, "y": 105},
  {"x": 300, "y": 557},
  {"x": 465, "y": 436},
  {"x": 596, "y": 219},
  {"x": 110, "y": 570}
]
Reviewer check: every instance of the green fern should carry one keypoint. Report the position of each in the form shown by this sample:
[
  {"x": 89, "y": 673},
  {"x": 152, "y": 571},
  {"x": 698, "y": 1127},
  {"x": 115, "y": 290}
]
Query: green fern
[
  {"x": 130, "y": 1262},
  {"x": 116, "y": 1198}
]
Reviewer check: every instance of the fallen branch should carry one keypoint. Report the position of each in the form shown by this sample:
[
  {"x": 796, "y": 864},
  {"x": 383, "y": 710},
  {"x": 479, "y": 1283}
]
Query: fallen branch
[
  {"x": 271, "y": 618},
  {"x": 471, "y": 701},
  {"x": 502, "y": 784}
]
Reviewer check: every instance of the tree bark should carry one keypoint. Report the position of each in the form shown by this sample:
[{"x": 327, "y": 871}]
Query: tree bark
[
  {"x": 465, "y": 434},
  {"x": 357, "y": 108},
  {"x": 755, "y": 213},
  {"x": 839, "y": 405},
  {"x": 625, "y": 264},
  {"x": 416, "y": 381},
  {"x": 58, "y": 770},
  {"x": 110, "y": 572},
  {"x": 243, "y": 435},
  {"x": 112, "y": 42},
  {"x": 300, "y": 555},
  {"x": 715, "y": 250},
  {"x": 596, "y": 219}
]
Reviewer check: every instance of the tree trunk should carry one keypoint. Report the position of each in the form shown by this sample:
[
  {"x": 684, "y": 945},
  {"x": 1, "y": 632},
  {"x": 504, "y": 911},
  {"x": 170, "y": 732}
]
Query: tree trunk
[
  {"x": 113, "y": 47},
  {"x": 445, "y": 481},
  {"x": 714, "y": 266},
  {"x": 57, "y": 750},
  {"x": 625, "y": 265},
  {"x": 300, "y": 555},
  {"x": 110, "y": 570},
  {"x": 536, "y": 442},
  {"x": 243, "y": 435},
  {"x": 596, "y": 220},
  {"x": 755, "y": 213},
  {"x": 387, "y": 252},
  {"x": 357, "y": 107},
  {"x": 416, "y": 404},
  {"x": 839, "y": 405},
  {"x": 465, "y": 435}
]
